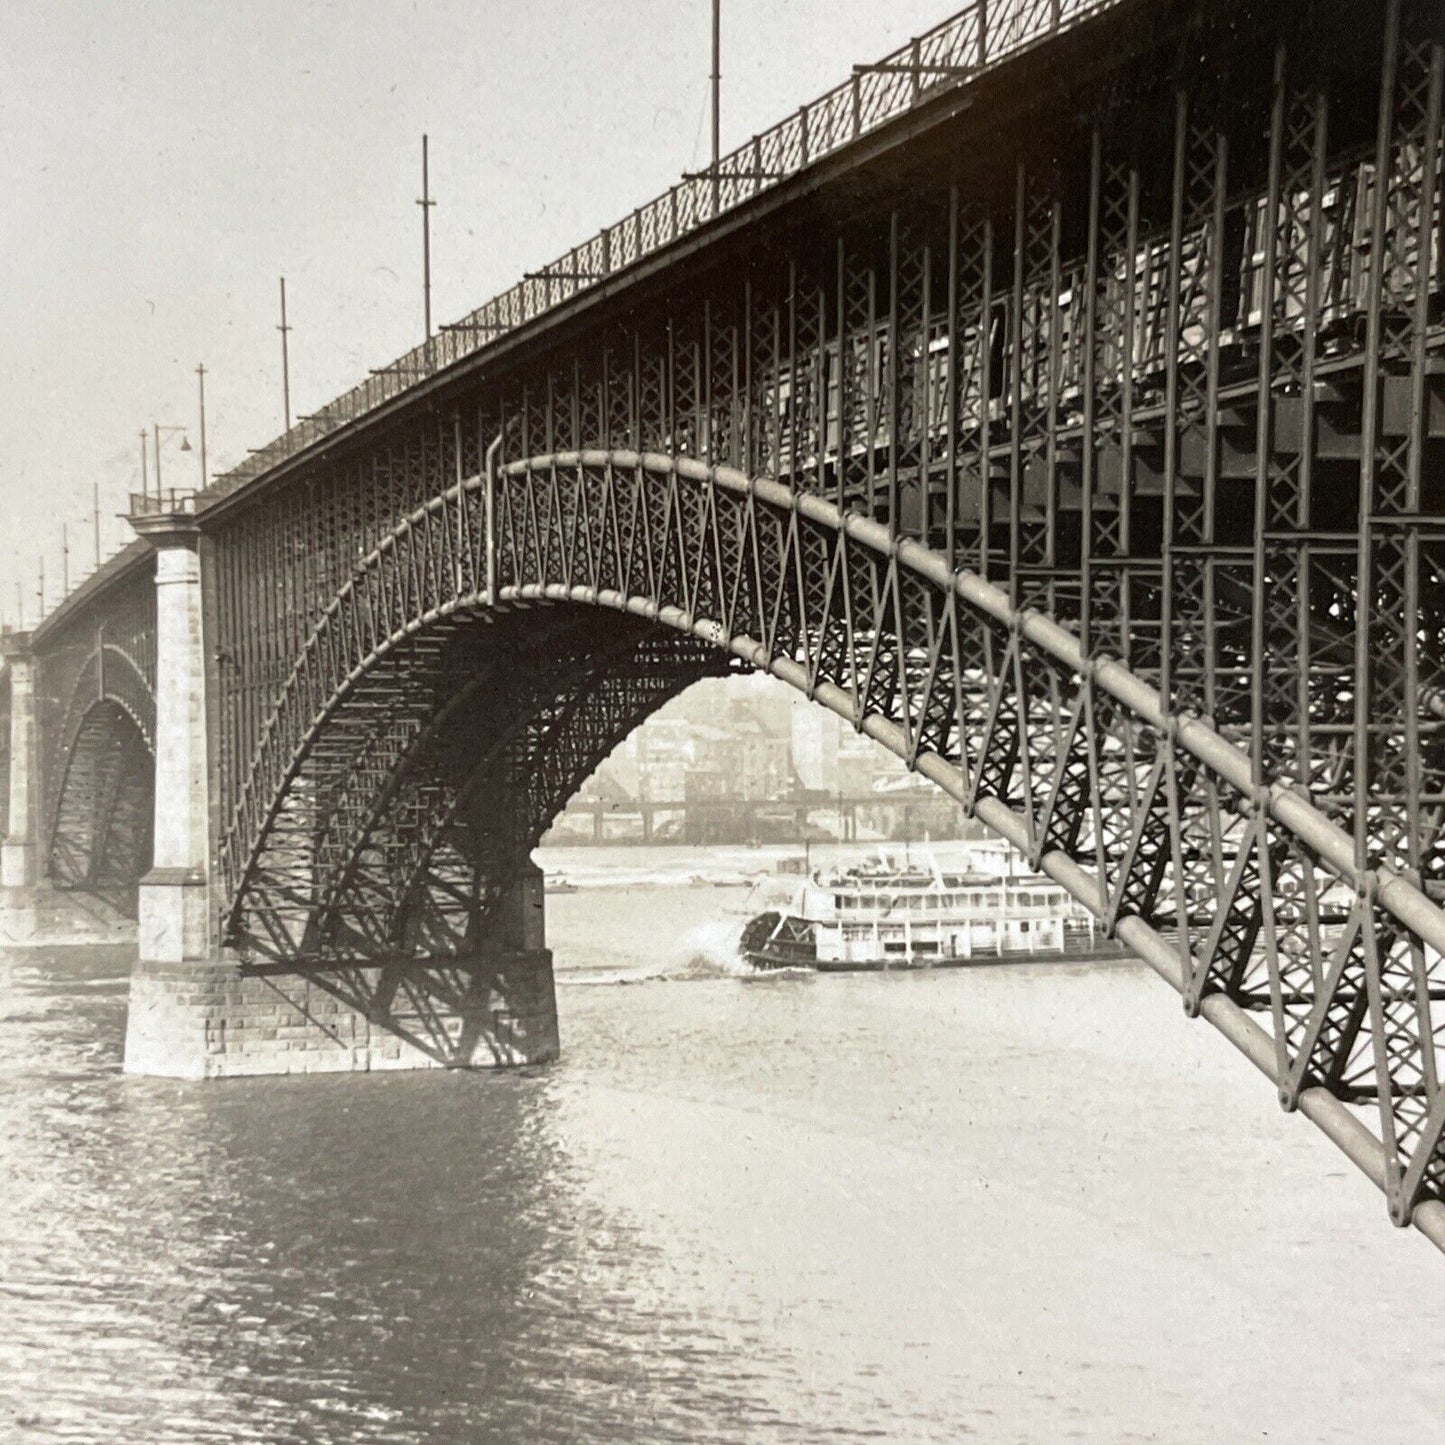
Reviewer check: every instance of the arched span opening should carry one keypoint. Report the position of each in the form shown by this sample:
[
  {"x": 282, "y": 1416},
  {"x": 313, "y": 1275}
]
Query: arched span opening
[
  {"x": 389, "y": 864},
  {"x": 101, "y": 831},
  {"x": 746, "y": 762},
  {"x": 1240, "y": 892},
  {"x": 439, "y": 770}
]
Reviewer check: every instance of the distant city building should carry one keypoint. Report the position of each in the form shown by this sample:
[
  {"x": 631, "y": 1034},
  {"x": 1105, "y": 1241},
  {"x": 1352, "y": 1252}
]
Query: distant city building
[{"x": 750, "y": 761}]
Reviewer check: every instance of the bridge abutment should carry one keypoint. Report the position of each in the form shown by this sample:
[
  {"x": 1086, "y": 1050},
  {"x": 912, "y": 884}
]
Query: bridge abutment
[
  {"x": 175, "y": 923},
  {"x": 19, "y": 853},
  {"x": 216, "y": 1020},
  {"x": 179, "y": 983},
  {"x": 198, "y": 1012}
]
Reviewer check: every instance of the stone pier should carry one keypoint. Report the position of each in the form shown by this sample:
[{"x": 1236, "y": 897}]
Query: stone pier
[
  {"x": 198, "y": 1013},
  {"x": 19, "y": 860},
  {"x": 175, "y": 896},
  {"x": 216, "y": 1020}
]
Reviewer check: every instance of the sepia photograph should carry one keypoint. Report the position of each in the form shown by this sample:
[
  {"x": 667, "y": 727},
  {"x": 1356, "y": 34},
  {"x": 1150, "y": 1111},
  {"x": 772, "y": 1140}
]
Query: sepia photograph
[{"x": 722, "y": 722}]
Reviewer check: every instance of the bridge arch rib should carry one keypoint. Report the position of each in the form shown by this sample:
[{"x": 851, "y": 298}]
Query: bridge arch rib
[
  {"x": 96, "y": 710},
  {"x": 100, "y": 833},
  {"x": 439, "y": 770},
  {"x": 1246, "y": 898}
]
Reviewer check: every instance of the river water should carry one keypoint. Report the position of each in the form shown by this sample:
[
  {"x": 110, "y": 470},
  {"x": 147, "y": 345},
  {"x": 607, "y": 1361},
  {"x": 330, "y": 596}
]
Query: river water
[{"x": 1009, "y": 1204}]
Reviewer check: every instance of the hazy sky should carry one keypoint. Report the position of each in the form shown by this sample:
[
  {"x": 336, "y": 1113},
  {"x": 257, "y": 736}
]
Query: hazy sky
[{"x": 165, "y": 161}]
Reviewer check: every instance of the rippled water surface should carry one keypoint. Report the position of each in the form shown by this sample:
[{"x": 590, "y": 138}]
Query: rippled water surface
[{"x": 1014, "y": 1204}]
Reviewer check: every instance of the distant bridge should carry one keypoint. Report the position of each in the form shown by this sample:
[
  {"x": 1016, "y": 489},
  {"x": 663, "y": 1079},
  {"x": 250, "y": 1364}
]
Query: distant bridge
[
  {"x": 897, "y": 816},
  {"x": 1061, "y": 401}
]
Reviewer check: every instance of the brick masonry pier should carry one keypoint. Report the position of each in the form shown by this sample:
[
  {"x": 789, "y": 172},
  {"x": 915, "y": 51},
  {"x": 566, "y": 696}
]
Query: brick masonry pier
[{"x": 216, "y": 1021}]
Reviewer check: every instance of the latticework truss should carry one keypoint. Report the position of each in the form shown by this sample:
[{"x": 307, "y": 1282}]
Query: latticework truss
[{"x": 1092, "y": 460}]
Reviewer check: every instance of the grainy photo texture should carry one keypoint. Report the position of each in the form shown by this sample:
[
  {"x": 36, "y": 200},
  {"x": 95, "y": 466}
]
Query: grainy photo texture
[{"x": 722, "y": 721}]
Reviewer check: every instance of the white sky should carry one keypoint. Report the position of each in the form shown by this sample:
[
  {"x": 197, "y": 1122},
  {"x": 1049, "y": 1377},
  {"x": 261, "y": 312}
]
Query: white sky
[{"x": 164, "y": 161}]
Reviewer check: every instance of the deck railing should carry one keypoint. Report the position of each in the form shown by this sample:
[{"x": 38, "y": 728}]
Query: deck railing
[
  {"x": 168, "y": 501},
  {"x": 946, "y": 57}
]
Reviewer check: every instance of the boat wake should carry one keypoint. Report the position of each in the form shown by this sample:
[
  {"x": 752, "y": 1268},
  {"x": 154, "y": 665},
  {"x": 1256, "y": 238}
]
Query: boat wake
[
  {"x": 710, "y": 950},
  {"x": 707, "y": 950}
]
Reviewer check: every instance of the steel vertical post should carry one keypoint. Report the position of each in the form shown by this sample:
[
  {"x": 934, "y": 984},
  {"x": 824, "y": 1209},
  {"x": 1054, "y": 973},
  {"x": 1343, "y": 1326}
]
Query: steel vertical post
[
  {"x": 285, "y": 331},
  {"x": 716, "y": 88},
  {"x": 426, "y": 203},
  {"x": 201, "y": 387},
  {"x": 951, "y": 416}
]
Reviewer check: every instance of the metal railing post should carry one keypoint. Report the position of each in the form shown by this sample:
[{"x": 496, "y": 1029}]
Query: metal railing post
[
  {"x": 461, "y": 501},
  {"x": 680, "y": 211},
  {"x": 493, "y": 452}
]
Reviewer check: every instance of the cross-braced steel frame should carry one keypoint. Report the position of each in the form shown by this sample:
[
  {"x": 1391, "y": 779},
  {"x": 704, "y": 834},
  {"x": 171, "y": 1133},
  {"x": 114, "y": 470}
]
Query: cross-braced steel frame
[
  {"x": 1086, "y": 448},
  {"x": 101, "y": 834},
  {"x": 434, "y": 772},
  {"x": 96, "y": 696},
  {"x": 401, "y": 827}
]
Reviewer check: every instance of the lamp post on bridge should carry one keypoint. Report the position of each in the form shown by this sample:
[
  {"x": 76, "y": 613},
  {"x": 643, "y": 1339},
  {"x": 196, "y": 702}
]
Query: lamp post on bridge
[
  {"x": 201, "y": 381},
  {"x": 426, "y": 203},
  {"x": 164, "y": 433},
  {"x": 716, "y": 79},
  {"x": 285, "y": 331}
]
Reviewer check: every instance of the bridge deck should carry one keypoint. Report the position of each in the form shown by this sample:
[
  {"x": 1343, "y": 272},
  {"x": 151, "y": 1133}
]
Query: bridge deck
[
  {"x": 1077, "y": 431},
  {"x": 945, "y": 61}
]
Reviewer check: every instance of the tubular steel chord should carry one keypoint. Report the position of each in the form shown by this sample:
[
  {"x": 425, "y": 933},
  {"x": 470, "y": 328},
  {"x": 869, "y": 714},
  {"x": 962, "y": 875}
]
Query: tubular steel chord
[{"x": 1094, "y": 470}]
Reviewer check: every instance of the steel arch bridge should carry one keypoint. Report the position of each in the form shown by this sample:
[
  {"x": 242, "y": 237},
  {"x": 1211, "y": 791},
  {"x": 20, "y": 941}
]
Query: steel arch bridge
[
  {"x": 1070, "y": 419},
  {"x": 98, "y": 706}
]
